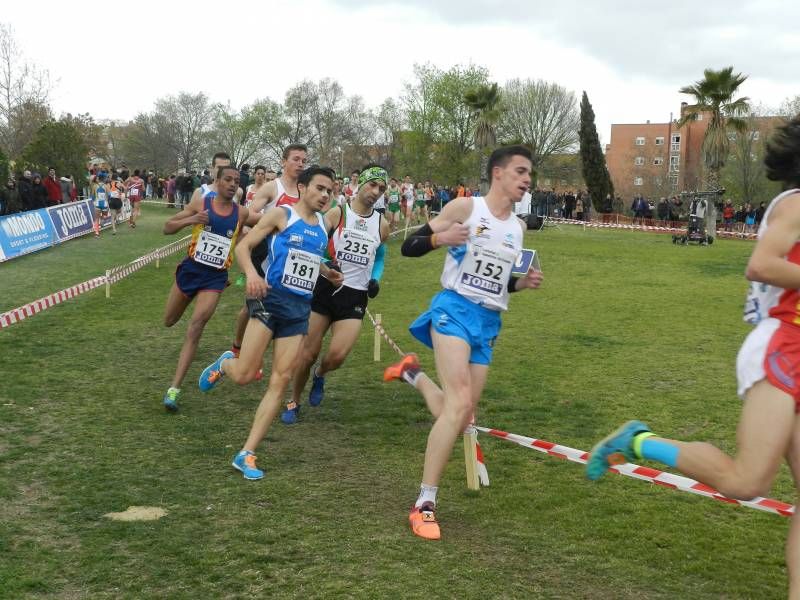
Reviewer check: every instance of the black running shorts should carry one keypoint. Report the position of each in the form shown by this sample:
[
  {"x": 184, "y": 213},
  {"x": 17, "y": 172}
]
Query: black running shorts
[{"x": 338, "y": 303}]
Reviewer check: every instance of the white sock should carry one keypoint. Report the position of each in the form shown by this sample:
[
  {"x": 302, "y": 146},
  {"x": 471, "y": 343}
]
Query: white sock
[{"x": 427, "y": 493}]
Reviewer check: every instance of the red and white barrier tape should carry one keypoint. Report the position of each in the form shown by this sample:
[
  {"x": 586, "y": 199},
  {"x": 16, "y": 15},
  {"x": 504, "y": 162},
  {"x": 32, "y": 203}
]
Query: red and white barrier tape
[
  {"x": 655, "y": 476},
  {"x": 32, "y": 308},
  {"x": 113, "y": 275},
  {"x": 653, "y": 228}
]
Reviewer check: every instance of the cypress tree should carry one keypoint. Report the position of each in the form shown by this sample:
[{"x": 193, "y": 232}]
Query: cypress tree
[{"x": 593, "y": 161}]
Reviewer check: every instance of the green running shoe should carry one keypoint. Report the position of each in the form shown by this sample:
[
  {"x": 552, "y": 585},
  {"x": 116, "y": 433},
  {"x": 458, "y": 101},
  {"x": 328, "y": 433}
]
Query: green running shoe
[{"x": 171, "y": 399}]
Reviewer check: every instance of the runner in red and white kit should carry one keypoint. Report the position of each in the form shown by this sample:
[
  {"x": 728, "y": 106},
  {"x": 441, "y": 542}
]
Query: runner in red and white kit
[
  {"x": 351, "y": 189},
  {"x": 260, "y": 180},
  {"x": 135, "y": 189},
  {"x": 767, "y": 367},
  {"x": 281, "y": 191}
]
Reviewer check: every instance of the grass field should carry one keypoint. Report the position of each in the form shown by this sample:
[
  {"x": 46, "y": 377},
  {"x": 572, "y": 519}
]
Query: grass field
[{"x": 627, "y": 325}]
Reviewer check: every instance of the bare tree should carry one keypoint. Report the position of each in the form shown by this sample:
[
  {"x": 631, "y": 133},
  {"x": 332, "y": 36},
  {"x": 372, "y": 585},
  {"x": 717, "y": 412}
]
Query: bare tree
[
  {"x": 25, "y": 120},
  {"x": 190, "y": 117},
  {"x": 24, "y": 90},
  {"x": 324, "y": 118},
  {"x": 743, "y": 175},
  {"x": 298, "y": 107},
  {"x": 389, "y": 119},
  {"x": 115, "y": 134},
  {"x": 149, "y": 141},
  {"x": 790, "y": 108},
  {"x": 541, "y": 114},
  {"x": 274, "y": 130},
  {"x": 328, "y": 119}
]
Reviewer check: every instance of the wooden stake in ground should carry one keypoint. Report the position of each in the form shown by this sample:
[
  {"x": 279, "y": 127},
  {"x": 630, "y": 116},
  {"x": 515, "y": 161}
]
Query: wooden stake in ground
[
  {"x": 471, "y": 457},
  {"x": 376, "y": 349}
]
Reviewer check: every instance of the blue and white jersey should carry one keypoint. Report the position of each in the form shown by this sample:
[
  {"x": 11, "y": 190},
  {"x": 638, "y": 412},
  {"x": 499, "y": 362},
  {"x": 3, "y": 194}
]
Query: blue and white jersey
[
  {"x": 480, "y": 269},
  {"x": 294, "y": 255},
  {"x": 101, "y": 196}
]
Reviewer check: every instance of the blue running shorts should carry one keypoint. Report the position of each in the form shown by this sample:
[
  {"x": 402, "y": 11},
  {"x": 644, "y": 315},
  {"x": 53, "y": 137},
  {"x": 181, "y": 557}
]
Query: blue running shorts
[
  {"x": 451, "y": 314},
  {"x": 284, "y": 313},
  {"x": 192, "y": 278}
]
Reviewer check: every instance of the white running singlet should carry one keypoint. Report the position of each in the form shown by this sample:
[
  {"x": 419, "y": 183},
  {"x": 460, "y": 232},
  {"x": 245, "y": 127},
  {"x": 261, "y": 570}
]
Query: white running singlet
[
  {"x": 355, "y": 242},
  {"x": 480, "y": 270}
]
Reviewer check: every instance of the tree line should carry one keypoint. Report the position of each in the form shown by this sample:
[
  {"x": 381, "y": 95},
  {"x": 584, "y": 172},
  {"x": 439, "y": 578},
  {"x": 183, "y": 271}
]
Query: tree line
[{"x": 435, "y": 128}]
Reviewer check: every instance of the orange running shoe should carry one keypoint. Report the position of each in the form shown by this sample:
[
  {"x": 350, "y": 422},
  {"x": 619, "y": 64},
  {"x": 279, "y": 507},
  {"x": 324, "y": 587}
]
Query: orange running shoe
[
  {"x": 395, "y": 371},
  {"x": 423, "y": 522}
]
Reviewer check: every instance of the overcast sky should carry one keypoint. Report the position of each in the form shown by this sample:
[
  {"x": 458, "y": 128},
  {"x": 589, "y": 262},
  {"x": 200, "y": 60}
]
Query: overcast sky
[{"x": 114, "y": 60}]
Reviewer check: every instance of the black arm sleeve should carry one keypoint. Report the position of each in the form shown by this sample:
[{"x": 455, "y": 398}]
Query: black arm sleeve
[
  {"x": 419, "y": 243},
  {"x": 512, "y": 285}
]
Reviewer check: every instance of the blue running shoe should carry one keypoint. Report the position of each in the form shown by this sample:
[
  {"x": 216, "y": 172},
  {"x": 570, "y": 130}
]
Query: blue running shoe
[
  {"x": 290, "y": 415},
  {"x": 245, "y": 462},
  {"x": 317, "y": 389},
  {"x": 171, "y": 399},
  {"x": 213, "y": 372},
  {"x": 615, "y": 449}
]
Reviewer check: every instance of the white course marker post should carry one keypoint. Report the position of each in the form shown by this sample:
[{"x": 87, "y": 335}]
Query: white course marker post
[{"x": 108, "y": 284}]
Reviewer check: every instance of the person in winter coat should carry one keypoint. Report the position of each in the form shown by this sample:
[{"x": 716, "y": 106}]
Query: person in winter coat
[
  {"x": 39, "y": 192},
  {"x": 53, "y": 187},
  {"x": 25, "y": 189}
]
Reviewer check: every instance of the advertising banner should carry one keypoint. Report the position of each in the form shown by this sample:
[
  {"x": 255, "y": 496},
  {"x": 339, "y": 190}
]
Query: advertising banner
[
  {"x": 25, "y": 232},
  {"x": 71, "y": 220}
]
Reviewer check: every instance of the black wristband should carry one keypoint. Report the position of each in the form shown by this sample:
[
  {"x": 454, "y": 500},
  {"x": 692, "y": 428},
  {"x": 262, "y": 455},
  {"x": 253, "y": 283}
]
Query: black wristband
[
  {"x": 419, "y": 243},
  {"x": 512, "y": 285}
]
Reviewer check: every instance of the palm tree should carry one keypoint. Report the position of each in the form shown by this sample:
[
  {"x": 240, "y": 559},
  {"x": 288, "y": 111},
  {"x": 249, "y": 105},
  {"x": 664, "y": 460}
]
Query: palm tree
[
  {"x": 714, "y": 94},
  {"x": 484, "y": 102}
]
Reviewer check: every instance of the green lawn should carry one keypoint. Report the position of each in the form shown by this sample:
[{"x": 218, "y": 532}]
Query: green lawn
[{"x": 627, "y": 325}]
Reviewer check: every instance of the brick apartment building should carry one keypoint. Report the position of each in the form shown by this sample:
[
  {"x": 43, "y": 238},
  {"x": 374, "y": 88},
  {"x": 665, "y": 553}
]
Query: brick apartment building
[
  {"x": 656, "y": 159},
  {"x": 660, "y": 159}
]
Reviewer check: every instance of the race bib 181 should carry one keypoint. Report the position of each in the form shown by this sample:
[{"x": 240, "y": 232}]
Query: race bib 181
[{"x": 300, "y": 271}]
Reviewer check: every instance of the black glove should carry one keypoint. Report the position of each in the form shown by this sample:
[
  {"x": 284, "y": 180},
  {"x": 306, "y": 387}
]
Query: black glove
[{"x": 373, "y": 287}]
